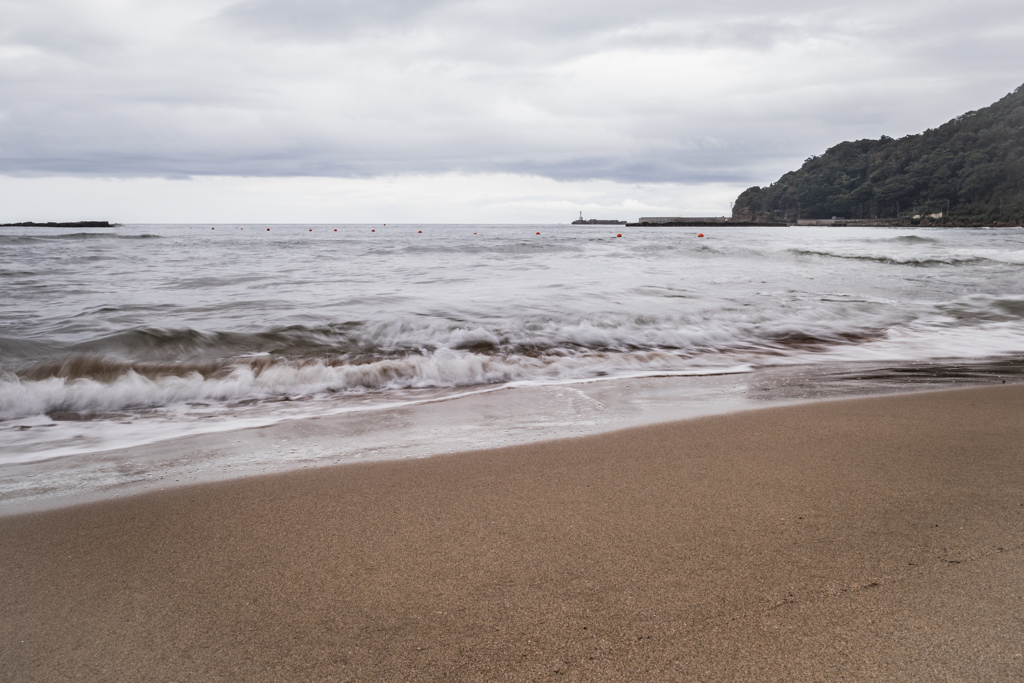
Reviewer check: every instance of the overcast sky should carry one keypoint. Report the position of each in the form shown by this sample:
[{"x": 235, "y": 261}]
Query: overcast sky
[{"x": 485, "y": 111}]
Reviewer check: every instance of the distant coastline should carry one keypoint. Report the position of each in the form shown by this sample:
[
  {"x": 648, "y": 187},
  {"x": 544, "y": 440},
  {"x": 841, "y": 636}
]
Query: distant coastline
[
  {"x": 74, "y": 224},
  {"x": 701, "y": 223},
  {"x": 903, "y": 221}
]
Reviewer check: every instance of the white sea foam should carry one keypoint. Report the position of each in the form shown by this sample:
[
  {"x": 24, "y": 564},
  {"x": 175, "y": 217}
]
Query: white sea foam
[{"x": 447, "y": 367}]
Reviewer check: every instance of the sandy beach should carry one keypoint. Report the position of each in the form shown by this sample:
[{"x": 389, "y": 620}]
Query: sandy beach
[{"x": 877, "y": 538}]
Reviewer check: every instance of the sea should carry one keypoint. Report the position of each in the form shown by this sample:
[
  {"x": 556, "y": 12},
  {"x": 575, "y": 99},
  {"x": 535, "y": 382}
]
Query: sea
[{"x": 408, "y": 340}]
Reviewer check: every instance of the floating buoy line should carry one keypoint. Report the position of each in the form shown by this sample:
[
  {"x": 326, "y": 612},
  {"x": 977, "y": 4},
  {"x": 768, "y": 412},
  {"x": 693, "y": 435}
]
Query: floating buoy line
[{"x": 419, "y": 232}]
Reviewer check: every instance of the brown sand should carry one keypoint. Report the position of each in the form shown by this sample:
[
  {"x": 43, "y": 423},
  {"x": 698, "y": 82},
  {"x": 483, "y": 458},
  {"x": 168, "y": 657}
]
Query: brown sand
[{"x": 876, "y": 538}]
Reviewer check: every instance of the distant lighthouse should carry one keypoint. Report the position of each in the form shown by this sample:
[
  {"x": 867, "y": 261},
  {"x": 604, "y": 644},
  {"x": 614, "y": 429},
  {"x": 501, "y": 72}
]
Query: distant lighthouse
[{"x": 595, "y": 221}]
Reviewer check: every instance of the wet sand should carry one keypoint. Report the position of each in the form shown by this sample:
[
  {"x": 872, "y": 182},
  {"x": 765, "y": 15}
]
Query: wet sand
[{"x": 878, "y": 538}]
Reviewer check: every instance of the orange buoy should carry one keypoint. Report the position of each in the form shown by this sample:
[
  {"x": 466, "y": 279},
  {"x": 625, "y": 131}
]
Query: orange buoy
[
  {"x": 474, "y": 233},
  {"x": 335, "y": 230},
  {"x": 213, "y": 228},
  {"x": 419, "y": 231},
  {"x": 619, "y": 235},
  {"x": 700, "y": 234},
  {"x": 372, "y": 230},
  {"x": 538, "y": 233},
  {"x": 268, "y": 229},
  {"x": 311, "y": 229}
]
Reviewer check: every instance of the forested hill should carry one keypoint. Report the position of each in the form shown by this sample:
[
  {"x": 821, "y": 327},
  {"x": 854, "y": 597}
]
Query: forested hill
[{"x": 971, "y": 169}]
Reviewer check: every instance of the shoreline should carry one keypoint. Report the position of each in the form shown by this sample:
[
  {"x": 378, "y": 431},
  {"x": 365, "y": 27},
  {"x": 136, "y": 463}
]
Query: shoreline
[
  {"x": 870, "y": 537},
  {"x": 466, "y": 421}
]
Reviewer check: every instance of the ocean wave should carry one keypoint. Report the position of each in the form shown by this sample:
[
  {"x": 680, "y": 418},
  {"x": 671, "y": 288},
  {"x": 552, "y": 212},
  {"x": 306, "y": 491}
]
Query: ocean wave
[
  {"x": 72, "y": 237},
  {"x": 934, "y": 342},
  {"x": 360, "y": 342},
  {"x": 11, "y": 240},
  {"x": 716, "y": 327},
  {"x": 174, "y": 373},
  {"x": 76, "y": 236},
  {"x": 479, "y": 245},
  {"x": 128, "y": 388},
  {"x": 982, "y": 308},
  {"x": 911, "y": 239},
  {"x": 918, "y": 260}
]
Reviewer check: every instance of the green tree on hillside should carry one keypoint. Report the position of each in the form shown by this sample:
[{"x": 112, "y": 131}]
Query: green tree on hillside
[{"x": 972, "y": 167}]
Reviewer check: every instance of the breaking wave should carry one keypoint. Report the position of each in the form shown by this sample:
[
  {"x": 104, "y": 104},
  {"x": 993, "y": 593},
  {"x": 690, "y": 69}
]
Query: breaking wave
[
  {"x": 922, "y": 260},
  {"x": 150, "y": 368}
]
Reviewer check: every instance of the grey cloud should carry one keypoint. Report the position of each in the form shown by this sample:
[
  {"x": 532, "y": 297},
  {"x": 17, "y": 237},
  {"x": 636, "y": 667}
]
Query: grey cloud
[
  {"x": 57, "y": 27},
  {"x": 646, "y": 91},
  {"x": 318, "y": 19},
  {"x": 480, "y": 29}
]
